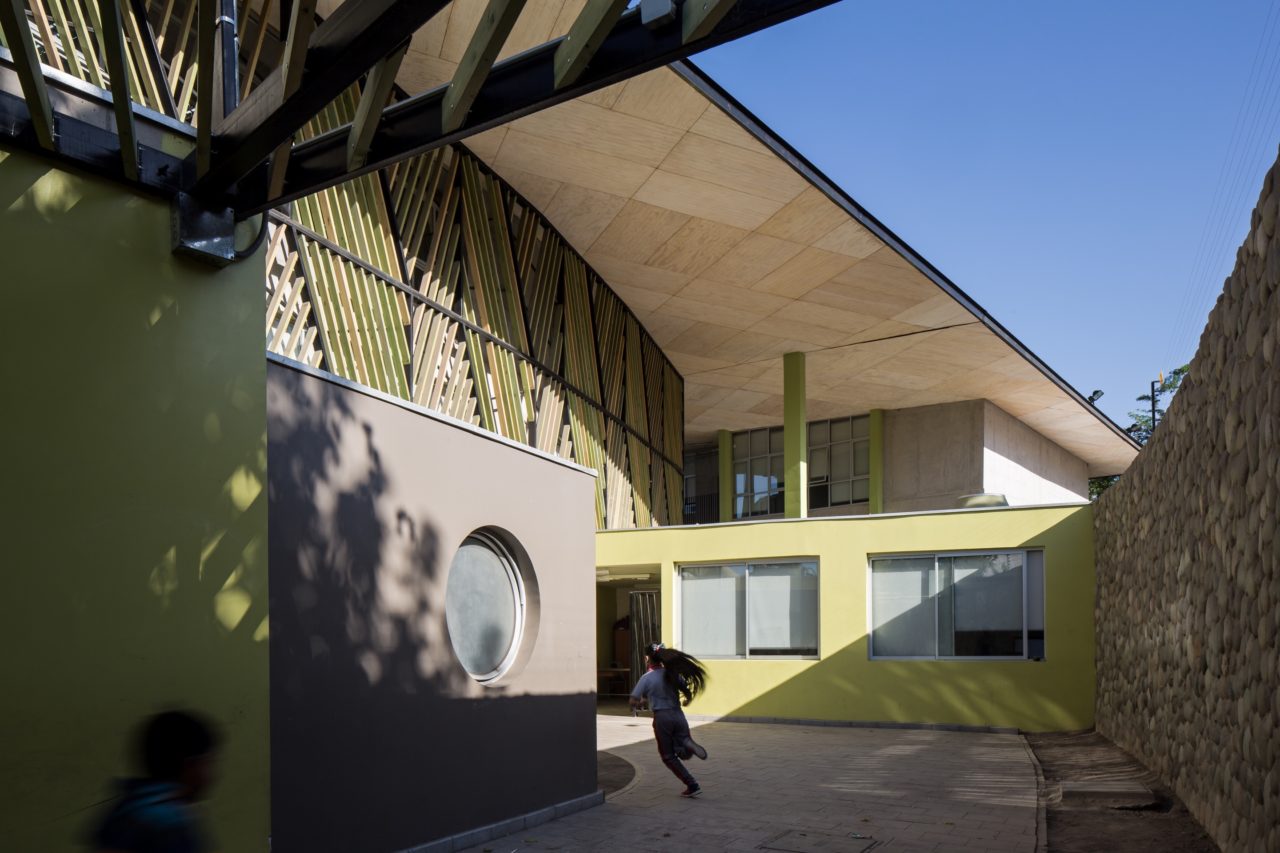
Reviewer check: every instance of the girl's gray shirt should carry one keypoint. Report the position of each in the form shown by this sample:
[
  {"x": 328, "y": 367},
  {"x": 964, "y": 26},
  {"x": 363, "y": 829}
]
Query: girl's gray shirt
[{"x": 652, "y": 687}]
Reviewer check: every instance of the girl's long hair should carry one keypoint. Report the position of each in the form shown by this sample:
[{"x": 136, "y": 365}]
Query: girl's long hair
[{"x": 683, "y": 673}]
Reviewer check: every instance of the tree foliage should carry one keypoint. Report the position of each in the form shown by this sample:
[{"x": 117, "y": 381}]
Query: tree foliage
[{"x": 1143, "y": 425}]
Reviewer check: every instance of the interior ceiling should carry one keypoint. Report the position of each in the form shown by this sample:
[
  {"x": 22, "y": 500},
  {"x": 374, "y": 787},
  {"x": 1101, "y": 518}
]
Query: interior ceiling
[{"x": 730, "y": 257}]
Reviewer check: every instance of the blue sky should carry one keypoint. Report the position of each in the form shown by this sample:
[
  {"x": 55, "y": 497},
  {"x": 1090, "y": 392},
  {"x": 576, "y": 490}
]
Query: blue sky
[{"x": 1085, "y": 171}]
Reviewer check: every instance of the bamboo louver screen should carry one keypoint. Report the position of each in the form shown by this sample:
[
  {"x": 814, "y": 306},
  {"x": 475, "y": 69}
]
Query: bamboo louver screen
[{"x": 437, "y": 283}]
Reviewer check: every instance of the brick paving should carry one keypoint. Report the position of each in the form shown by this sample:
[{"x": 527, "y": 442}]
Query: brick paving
[{"x": 809, "y": 788}]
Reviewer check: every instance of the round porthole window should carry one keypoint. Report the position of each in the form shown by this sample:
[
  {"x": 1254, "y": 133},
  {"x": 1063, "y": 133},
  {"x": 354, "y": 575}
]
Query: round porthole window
[{"x": 484, "y": 606}]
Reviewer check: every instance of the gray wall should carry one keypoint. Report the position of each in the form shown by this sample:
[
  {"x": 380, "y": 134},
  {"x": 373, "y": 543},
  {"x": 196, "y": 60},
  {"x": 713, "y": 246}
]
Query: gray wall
[
  {"x": 1026, "y": 467},
  {"x": 933, "y": 455},
  {"x": 1188, "y": 557},
  {"x": 379, "y": 739}
]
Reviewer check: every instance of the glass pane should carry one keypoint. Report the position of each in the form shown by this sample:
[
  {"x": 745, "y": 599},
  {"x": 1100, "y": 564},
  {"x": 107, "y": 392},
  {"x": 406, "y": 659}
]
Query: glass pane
[
  {"x": 861, "y": 490},
  {"x": 818, "y": 433},
  {"x": 861, "y": 428},
  {"x": 783, "y": 608},
  {"x": 818, "y": 465},
  {"x": 982, "y": 595},
  {"x": 775, "y": 440},
  {"x": 741, "y": 446},
  {"x": 740, "y": 506},
  {"x": 841, "y": 493},
  {"x": 1035, "y": 605},
  {"x": 840, "y": 461},
  {"x": 818, "y": 497},
  {"x": 902, "y": 607},
  {"x": 740, "y": 485},
  {"x": 760, "y": 476},
  {"x": 840, "y": 430},
  {"x": 712, "y": 604},
  {"x": 777, "y": 503},
  {"x": 861, "y": 458},
  {"x": 760, "y": 504},
  {"x": 777, "y": 472},
  {"x": 759, "y": 442},
  {"x": 482, "y": 608}
]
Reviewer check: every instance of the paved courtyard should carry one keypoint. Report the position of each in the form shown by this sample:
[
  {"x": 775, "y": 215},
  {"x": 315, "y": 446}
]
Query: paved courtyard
[{"x": 802, "y": 789}]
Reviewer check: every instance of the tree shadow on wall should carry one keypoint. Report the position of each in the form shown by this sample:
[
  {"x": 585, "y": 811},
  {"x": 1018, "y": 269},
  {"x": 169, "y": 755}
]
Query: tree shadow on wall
[
  {"x": 379, "y": 737},
  {"x": 356, "y": 579}
]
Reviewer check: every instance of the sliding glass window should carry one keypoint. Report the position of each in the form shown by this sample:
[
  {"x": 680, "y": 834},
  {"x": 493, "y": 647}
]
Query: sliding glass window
[
  {"x": 750, "y": 610},
  {"x": 970, "y": 605}
]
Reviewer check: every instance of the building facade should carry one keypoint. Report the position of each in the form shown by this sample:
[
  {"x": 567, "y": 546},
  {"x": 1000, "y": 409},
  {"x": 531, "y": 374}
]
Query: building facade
[{"x": 499, "y": 379}]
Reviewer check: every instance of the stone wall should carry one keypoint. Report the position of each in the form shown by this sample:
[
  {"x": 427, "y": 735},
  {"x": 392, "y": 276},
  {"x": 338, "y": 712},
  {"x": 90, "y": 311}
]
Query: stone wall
[{"x": 1188, "y": 600}]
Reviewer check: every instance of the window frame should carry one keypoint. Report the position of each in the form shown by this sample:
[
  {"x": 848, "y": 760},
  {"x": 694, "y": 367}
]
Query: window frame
[
  {"x": 826, "y": 480},
  {"x": 979, "y": 552},
  {"x": 748, "y": 497},
  {"x": 746, "y": 615},
  {"x": 515, "y": 577}
]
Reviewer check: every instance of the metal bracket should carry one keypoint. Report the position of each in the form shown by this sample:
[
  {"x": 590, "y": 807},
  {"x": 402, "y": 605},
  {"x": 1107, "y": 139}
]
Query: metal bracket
[{"x": 204, "y": 233}]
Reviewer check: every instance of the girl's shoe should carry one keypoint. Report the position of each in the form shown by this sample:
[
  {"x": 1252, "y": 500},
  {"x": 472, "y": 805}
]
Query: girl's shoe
[
  {"x": 695, "y": 749},
  {"x": 692, "y": 791}
]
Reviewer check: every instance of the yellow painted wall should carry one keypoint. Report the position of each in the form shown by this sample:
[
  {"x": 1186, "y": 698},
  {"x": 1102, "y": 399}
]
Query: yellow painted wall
[
  {"x": 134, "y": 550},
  {"x": 844, "y": 684}
]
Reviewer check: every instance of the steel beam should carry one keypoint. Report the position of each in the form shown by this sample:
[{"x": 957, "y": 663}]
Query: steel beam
[
  {"x": 346, "y": 45},
  {"x": 514, "y": 88}
]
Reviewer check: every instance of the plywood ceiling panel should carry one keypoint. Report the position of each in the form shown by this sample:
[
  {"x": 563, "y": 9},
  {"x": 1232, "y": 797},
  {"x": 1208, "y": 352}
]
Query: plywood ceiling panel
[
  {"x": 603, "y": 130},
  {"x": 731, "y": 258},
  {"x": 752, "y": 259},
  {"x": 696, "y": 246},
  {"x": 638, "y": 231},
  {"x": 570, "y": 164},
  {"x": 809, "y": 269},
  {"x": 662, "y": 97},
  {"x": 807, "y": 218},
  {"x": 581, "y": 214},
  {"x": 706, "y": 200},
  {"x": 755, "y": 172}
]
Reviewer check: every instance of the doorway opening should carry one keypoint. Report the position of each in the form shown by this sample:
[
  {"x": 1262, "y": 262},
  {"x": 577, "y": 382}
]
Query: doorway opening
[{"x": 628, "y": 616}]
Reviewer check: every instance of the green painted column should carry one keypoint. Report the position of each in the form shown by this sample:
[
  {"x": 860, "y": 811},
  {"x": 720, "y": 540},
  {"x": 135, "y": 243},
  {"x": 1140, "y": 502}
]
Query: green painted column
[
  {"x": 795, "y": 437},
  {"x": 725, "y": 460},
  {"x": 875, "y": 488}
]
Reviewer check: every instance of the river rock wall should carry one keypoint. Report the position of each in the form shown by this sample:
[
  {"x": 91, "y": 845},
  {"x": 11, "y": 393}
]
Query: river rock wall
[{"x": 1188, "y": 599}]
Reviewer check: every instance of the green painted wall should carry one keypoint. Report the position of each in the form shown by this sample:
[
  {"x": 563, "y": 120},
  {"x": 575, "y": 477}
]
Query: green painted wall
[
  {"x": 795, "y": 436},
  {"x": 135, "y": 546},
  {"x": 844, "y": 684}
]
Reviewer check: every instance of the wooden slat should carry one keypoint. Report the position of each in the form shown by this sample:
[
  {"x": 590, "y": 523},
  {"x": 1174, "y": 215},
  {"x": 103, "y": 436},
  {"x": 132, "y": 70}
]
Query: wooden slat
[
  {"x": 263, "y": 13},
  {"x": 490, "y": 34},
  {"x": 70, "y": 54},
  {"x": 52, "y": 54},
  {"x": 145, "y": 46},
  {"x": 13, "y": 21},
  {"x": 88, "y": 43},
  {"x": 377, "y": 90},
  {"x": 700, "y": 17},
  {"x": 584, "y": 38},
  {"x": 206, "y": 32},
  {"x": 302, "y": 23},
  {"x": 182, "y": 73},
  {"x": 122, "y": 104}
]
